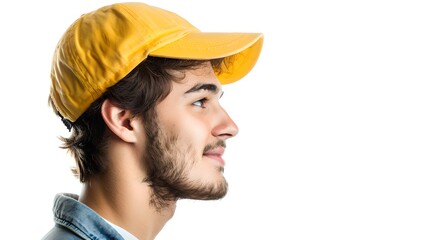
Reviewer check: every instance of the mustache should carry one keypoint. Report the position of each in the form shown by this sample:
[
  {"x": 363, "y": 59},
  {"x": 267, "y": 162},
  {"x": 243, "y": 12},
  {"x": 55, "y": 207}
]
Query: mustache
[{"x": 219, "y": 143}]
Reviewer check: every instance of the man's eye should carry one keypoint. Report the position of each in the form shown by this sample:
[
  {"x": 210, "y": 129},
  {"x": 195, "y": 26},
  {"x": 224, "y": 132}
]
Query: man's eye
[{"x": 200, "y": 103}]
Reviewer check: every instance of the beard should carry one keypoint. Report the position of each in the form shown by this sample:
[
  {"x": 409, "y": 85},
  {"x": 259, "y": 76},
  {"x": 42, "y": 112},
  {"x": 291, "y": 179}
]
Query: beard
[{"x": 169, "y": 163}]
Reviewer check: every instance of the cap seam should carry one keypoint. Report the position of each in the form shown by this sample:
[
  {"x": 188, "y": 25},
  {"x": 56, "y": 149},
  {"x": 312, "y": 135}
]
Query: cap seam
[{"x": 83, "y": 70}]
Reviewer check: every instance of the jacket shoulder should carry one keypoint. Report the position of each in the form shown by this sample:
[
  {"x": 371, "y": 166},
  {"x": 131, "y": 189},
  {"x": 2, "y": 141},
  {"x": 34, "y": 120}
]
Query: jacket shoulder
[{"x": 58, "y": 232}]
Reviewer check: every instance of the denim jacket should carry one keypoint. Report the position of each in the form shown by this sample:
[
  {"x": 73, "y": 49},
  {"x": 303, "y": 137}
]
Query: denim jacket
[{"x": 74, "y": 220}]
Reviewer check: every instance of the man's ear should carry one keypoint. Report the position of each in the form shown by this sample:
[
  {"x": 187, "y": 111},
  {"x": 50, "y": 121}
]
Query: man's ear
[{"x": 119, "y": 121}]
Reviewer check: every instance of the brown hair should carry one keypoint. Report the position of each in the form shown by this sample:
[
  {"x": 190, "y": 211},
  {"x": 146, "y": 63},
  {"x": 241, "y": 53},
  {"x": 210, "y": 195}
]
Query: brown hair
[{"x": 138, "y": 92}]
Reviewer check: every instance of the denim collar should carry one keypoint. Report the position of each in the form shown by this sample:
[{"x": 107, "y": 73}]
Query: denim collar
[{"x": 80, "y": 219}]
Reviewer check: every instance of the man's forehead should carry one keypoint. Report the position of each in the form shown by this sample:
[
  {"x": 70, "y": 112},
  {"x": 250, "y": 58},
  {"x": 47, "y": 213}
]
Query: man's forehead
[{"x": 200, "y": 75}]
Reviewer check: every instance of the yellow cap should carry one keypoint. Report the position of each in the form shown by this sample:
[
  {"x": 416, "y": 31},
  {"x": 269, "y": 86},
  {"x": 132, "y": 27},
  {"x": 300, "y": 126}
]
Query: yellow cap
[{"x": 102, "y": 47}]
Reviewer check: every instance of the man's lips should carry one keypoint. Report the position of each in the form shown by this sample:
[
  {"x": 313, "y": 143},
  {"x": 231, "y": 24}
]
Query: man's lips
[{"x": 216, "y": 154}]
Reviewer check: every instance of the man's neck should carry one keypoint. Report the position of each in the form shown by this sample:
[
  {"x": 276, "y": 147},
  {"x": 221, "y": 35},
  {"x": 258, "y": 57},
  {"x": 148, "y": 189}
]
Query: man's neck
[{"x": 123, "y": 198}]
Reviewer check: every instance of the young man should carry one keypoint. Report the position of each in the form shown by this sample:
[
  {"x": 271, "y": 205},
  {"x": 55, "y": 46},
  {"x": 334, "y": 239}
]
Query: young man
[{"x": 139, "y": 89}]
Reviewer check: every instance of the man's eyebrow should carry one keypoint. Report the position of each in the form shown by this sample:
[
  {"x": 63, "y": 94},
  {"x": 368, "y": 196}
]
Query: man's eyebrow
[{"x": 203, "y": 86}]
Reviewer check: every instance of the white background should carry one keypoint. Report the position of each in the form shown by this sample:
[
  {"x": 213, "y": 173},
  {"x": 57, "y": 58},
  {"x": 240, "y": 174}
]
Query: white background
[{"x": 334, "y": 123}]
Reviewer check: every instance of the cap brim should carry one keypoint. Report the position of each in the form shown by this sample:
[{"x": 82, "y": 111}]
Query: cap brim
[{"x": 241, "y": 50}]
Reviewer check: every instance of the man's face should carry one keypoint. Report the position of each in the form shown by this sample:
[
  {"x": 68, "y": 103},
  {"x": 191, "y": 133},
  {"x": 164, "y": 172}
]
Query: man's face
[{"x": 186, "y": 140}]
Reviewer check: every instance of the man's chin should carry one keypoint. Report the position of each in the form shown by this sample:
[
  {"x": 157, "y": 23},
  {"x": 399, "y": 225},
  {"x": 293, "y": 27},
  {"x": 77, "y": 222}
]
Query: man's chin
[{"x": 213, "y": 193}]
